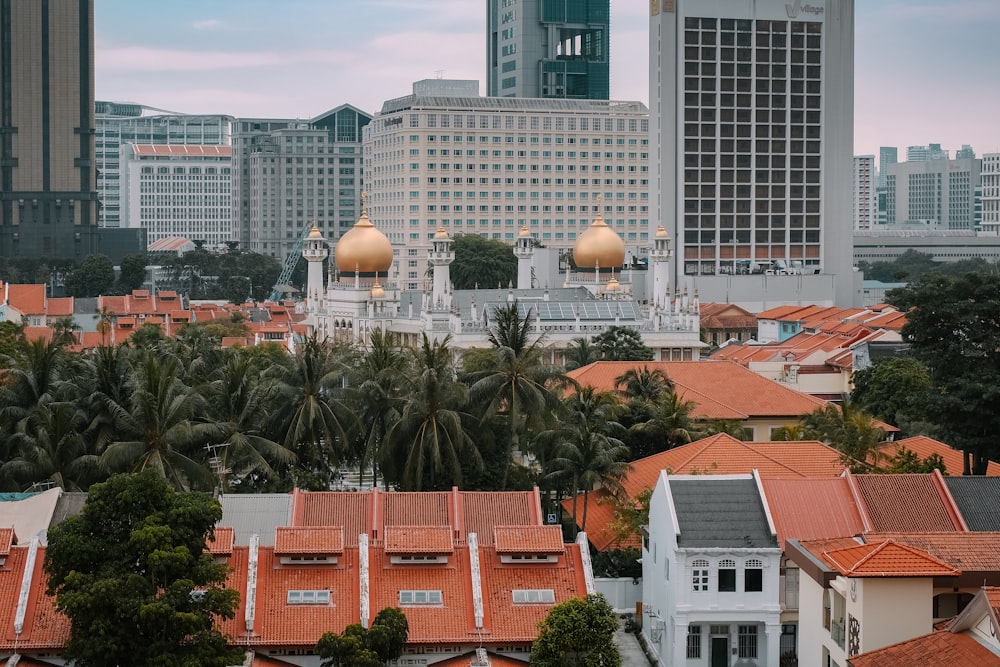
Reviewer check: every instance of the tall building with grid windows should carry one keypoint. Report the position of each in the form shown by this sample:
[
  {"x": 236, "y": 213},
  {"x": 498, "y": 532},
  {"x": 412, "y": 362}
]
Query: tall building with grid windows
[
  {"x": 490, "y": 165},
  {"x": 938, "y": 193},
  {"x": 864, "y": 192},
  {"x": 751, "y": 116},
  {"x": 990, "y": 175},
  {"x": 548, "y": 48}
]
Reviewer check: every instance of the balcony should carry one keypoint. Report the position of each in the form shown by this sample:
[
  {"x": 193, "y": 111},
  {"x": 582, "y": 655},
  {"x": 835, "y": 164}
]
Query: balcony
[{"x": 837, "y": 632}]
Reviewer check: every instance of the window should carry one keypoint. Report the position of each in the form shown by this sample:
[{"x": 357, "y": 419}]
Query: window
[
  {"x": 308, "y": 597},
  {"x": 727, "y": 576},
  {"x": 538, "y": 596},
  {"x": 419, "y": 597},
  {"x": 694, "y": 641},
  {"x": 753, "y": 576},
  {"x": 699, "y": 575},
  {"x": 747, "y": 641}
]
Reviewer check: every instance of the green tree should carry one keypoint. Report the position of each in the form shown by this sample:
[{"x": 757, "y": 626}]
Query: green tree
[
  {"x": 579, "y": 632},
  {"x": 850, "y": 430},
  {"x": 360, "y": 647},
  {"x": 622, "y": 344},
  {"x": 517, "y": 385},
  {"x": 894, "y": 389},
  {"x": 644, "y": 383},
  {"x": 953, "y": 328},
  {"x": 482, "y": 262},
  {"x": 51, "y": 448},
  {"x": 132, "y": 273},
  {"x": 669, "y": 424},
  {"x": 93, "y": 276},
  {"x": 579, "y": 353},
  {"x": 907, "y": 461},
  {"x": 132, "y": 574}
]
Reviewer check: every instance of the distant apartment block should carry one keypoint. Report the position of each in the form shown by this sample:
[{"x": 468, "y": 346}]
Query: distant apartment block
[
  {"x": 548, "y": 48},
  {"x": 864, "y": 192},
  {"x": 120, "y": 124},
  {"x": 886, "y": 155},
  {"x": 937, "y": 192},
  {"x": 925, "y": 153},
  {"x": 491, "y": 165},
  {"x": 180, "y": 191},
  {"x": 296, "y": 174},
  {"x": 991, "y": 193}
]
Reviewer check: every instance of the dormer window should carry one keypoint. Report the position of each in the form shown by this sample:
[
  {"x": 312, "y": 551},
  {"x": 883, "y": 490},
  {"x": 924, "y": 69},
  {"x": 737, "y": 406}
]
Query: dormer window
[
  {"x": 528, "y": 544},
  {"x": 408, "y": 545},
  {"x": 313, "y": 545}
]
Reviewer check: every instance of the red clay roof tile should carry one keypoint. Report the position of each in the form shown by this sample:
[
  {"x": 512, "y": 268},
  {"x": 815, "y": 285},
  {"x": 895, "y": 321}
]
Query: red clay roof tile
[
  {"x": 969, "y": 552},
  {"x": 887, "y": 559},
  {"x": 888, "y": 502},
  {"x": 221, "y": 542},
  {"x": 812, "y": 509},
  {"x": 933, "y": 650},
  {"x": 528, "y": 539},
  {"x": 308, "y": 540},
  {"x": 923, "y": 447},
  {"x": 418, "y": 539}
]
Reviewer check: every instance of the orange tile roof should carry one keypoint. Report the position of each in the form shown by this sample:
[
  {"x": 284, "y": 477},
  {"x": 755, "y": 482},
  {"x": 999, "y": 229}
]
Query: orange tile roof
[
  {"x": 719, "y": 454},
  {"x": 188, "y": 150},
  {"x": 887, "y": 559},
  {"x": 418, "y": 539},
  {"x": 969, "y": 552},
  {"x": 482, "y": 511},
  {"x": 888, "y": 502},
  {"x": 416, "y": 509},
  {"x": 812, "y": 509},
  {"x": 260, "y": 660},
  {"x": 38, "y": 333},
  {"x": 309, "y": 540},
  {"x": 27, "y": 298},
  {"x": 722, "y": 389},
  {"x": 7, "y": 540},
  {"x": 334, "y": 508},
  {"x": 923, "y": 447},
  {"x": 44, "y": 627},
  {"x": 59, "y": 306},
  {"x": 528, "y": 539},
  {"x": 470, "y": 660},
  {"x": 933, "y": 650},
  {"x": 221, "y": 542}
]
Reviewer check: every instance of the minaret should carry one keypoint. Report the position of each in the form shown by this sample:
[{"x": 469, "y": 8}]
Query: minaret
[
  {"x": 314, "y": 250},
  {"x": 524, "y": 251},
  {"x": 660, "y": 256},
  {"x": 441, "y": 256}
]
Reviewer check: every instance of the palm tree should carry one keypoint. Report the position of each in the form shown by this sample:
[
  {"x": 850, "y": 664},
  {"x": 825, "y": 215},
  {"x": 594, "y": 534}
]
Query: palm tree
[
  {"x": 377, "y": 382},
  {"x": 579, "y": 353},
  {"x": 64, "y": 331},
  {"x": 670, "y": 423},
  {"x": 26, "y": 380},
  {"x": 51, "y": 448},
  {"x": 155, "y": 428},
  {"x": 311, "y": 415},
  {"x": 433, "y": 430},
  {"x": 203, "y": 350},
  {"x": 587, "y": 447},
  {"x": 518, "y": 384},
  {"x": 850, "y": 430},
  {"x": 644, "y": 384},
  {"x": 104, "y": 381},
  {"x": 105, "y": 323},
  {"x": 239, "y": 401}
]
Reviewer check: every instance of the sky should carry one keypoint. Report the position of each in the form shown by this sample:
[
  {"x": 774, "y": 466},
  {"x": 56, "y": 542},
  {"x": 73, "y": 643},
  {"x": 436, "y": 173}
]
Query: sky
[{"x": 926, "y": 71}]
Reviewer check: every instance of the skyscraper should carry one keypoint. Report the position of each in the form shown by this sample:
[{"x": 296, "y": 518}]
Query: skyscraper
[
  {"x": 48, "y": 191},
  {"x": 886, "y": 155},
  {"x": 751, "y": 121},
  {"x": 548, "y": 48},
  {"x": 864, "y": 191}
]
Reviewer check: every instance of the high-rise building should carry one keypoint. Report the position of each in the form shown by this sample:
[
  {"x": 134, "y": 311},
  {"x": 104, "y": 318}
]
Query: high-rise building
[
  {"x": 123, "y": 123},
  {"x": 964, "y": 152},
  {"x": 864, "y": 191},
  {"x": 926, "y": 153},
  {"x": 548, "y": 48},
  {"x": 491, "y": 165},
  {"x": 248, "y": 133},
  {"x": 751, "y": 118},
  {"x": 886, "y": 155},
  {"x": 48, "y": 189},
  {"x": 178, "y": 191},
  {"x": 295, "y": 176},
  {"x": 991, "y": 193},
  {"x": 933, "y": 192}
]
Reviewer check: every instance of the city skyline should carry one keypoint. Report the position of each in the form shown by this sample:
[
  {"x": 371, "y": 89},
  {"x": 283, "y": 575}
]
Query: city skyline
[{"x": 922, "y": 69}]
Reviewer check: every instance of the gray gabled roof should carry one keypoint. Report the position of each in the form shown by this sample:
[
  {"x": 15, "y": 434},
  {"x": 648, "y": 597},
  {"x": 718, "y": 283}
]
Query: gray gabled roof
[
  {"x": 255, "y": 513},
  {"x": 978, "y": 499},
  {"x": 722, "y": 513}
]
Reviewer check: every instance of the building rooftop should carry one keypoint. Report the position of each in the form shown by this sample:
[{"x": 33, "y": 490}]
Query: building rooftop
[
  {"x": 978, "y": 499},
  {"x": 812, "y": 509},
  {"x": 888, "y": 502},
  {"x": 713, "y": 512},
  {"x": 933, "y": 650}
]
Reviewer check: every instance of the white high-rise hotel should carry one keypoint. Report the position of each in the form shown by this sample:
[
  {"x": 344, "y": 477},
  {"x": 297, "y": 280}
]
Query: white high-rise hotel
[{"x": 751, "y": 133}]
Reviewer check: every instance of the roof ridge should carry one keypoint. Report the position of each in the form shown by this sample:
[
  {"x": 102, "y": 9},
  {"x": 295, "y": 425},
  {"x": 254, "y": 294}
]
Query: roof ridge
[
  {"x": 712, "y": 439},
  {"x": 750, "y": 446}
]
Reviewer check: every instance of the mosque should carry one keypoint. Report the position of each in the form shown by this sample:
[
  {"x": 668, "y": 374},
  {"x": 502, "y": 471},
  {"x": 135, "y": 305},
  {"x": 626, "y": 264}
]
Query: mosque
[{"x": 358, "y": 295}]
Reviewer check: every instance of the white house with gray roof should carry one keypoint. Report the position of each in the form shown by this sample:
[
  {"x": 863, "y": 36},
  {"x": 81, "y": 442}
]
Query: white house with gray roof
[{"x": 711, "y": 561}]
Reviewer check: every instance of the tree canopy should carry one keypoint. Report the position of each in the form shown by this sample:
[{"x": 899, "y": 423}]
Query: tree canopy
[
  {"x": 579, "y": 632},
  {"x": 483, "y": 262},
  {"x": 93, "y": 276},
  {"x": 894, "y": 389},
  {"x": 953, "y": 328},
  {"x": 132, "y": 574},
  {"x": 361, "y": 647},
  {"x": 622, "y": 344}
]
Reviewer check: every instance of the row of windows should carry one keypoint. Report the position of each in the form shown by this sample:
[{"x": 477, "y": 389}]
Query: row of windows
[
  {"x": 746, "y": 641},
  {"x": 521, "y": 139},
  {"x": 522, "y": 122},
  {"x": 753, "y": 575}
]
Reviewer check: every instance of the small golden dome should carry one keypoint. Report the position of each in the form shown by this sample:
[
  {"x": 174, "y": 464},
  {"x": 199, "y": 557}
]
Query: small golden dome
[
  {"x": 661, "y": 233},
  {"x": 378, "y": 292},
  {"x": 441, "y": 233},
  {"x": 524, "y": 231},
  {"x": 599, "y": 246},
  {"x": 363, "y": 248},
  {"x": 613, "y": 285},
  {"x": 314, "y": 233}
]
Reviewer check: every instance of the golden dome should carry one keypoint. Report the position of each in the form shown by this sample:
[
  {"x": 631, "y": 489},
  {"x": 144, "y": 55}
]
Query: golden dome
[
  {"x": 661, "y": 233},
  {"x": 314, "y": 233},
  {"x": 378, "y": 292},
  {"x": 441, "y": 233},
  {"x": 613, "y": 285},
  {"x": 524, "y": 231},
  {"x": 599, "y": 246},
  {"x": 363, "y": 248}
]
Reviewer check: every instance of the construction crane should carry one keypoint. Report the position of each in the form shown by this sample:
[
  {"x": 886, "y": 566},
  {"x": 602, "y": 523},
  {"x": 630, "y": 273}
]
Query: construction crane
[{"x": 291, "y": 261}]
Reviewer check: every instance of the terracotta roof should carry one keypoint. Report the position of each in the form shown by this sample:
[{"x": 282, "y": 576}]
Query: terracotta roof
[
  {"x": 7, "y": 540},
  {"x": 933, "y": 650},
  {"x": 721, "y": 389},
  {"x": 471, "y": 660},
  {"x": 923, "y": 447},
  {"x": 309, "y": 540},
  {"x": 418, "y": 539},
  {"x": 221, "y": 542},
  {"x": 812, "y": 509},
  {"x": 188, "y": 150},
  {"x": 44, "y": 627},
  {"x": 260, "y": 660},
  {"x": 333, "y": 508},
  {"x": 969, "y": 552},
  {"x": 719, "y": 454},
  {"x": 888, "y": 502},
  {"x": 528, "y": 539},
  {"x": 483, "y": 511},
  {"x": 887, "y": 559},
  {"x": 27, "y": 298},
  {"x": 59, "y": 306}
]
